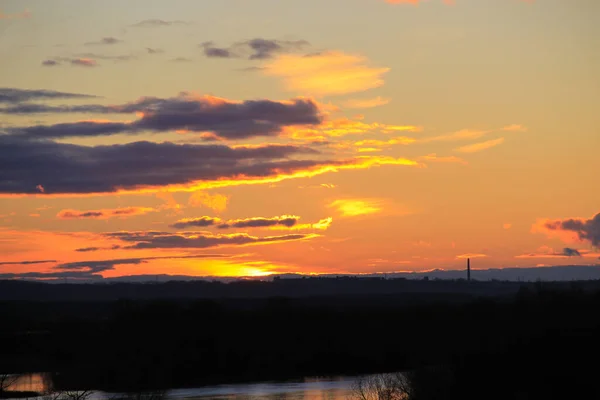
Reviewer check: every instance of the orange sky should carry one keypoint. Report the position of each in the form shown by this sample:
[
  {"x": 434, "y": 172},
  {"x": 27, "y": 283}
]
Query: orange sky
[{"x": 236, "y": 138}]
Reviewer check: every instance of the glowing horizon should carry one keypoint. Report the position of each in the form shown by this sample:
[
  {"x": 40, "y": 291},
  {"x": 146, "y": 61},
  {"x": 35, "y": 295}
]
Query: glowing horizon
[{"x": 233, "y": 138}]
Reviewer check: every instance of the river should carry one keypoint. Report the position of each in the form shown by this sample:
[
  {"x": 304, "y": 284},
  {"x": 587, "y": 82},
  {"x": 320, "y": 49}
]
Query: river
[{"x": 337, "y": 388}]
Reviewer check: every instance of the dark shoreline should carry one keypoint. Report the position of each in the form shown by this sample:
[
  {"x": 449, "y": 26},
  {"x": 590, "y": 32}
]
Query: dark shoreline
[{"x": 518, "y": 341}]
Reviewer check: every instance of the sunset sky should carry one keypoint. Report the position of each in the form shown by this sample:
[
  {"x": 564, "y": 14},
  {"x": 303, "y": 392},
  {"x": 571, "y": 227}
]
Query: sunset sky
[{"x": 251, "y": 137}]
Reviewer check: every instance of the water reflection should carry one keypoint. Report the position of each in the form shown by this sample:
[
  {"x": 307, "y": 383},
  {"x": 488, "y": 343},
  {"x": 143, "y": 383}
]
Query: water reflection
[
  {"x": 30, "y": 383},
  {"x": 338, "y": 388},
  {"x": 309, "y": 389}
]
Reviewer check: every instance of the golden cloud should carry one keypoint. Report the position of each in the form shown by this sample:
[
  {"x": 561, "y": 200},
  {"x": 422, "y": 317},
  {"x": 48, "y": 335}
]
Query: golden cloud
[
  {"x": 356, "y": 207},
  {"x": 474, "y": 148},
  {"x": 344, "y": 127},
  {"x": 433, "y": 157},
  {"x": 104, "y": 213},
  {"x": 327, "y": 73},
  {"x": 216, "y": 202},
  {"x": 366, "y": 103}
]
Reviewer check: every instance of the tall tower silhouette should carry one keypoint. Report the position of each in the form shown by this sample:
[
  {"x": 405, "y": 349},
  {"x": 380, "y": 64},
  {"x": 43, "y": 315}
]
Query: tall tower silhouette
[{"x": 469, "y": 269}]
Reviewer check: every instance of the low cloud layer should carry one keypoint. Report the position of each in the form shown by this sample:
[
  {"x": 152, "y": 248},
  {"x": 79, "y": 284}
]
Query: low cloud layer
[
  {"x": 14, "y": 95},
  {"x": 255, "y": 222},
  {"x": 21, "y": 15},
  {"x": 105, "y": 41},
  {"x": 197, "y": 240},
  {"x": 224, "y": 118},
  {"x": 153, "y": 23},
  {"x": 104, "y": 213},
  {"x": 68, "y": 168},
  {"x": 548, "y": 252},
  {"x": 27, "y": 262},
  {"x": 93, "y": 268},
  {"x": 60, "y": 168}
]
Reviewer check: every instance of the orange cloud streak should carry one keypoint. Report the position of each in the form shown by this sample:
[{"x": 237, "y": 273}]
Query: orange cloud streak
[
  {"x": 104, "y": 213},
  {"x": 327, "y": 73},
  {"x": 363, "y": 162}
]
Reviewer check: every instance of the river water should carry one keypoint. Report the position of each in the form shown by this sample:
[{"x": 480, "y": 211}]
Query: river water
[{"x": 338, "y": 388}]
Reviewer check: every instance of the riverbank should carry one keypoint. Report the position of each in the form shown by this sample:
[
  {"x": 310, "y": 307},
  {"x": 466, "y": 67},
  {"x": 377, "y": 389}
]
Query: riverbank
[{"x": 153, "y": 345}]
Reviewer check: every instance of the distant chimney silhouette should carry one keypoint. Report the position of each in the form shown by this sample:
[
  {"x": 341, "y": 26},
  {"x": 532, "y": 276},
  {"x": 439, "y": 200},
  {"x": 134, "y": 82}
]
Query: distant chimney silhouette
[{"x": 469, "y": 269}]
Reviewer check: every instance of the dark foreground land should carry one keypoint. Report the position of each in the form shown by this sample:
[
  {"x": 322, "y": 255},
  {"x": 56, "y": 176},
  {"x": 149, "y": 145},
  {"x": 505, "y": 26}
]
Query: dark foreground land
[{"x": 523, "y": 341}]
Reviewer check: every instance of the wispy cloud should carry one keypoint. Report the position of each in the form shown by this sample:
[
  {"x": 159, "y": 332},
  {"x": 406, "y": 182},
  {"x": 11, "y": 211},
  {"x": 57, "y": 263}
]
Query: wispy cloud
[
  {"x": 433, "y": 157},
  {"x": 465, "y": 134},
  {"x": 548, "y": 252},
  {"x": 446, "y": 2},
  {"x": 27, "y": 262},
  {"x": 216, "y": 202},
  {"x": 254, "y": 222},
  {"x": 105, "y": 41},
  {"x": 152, "y": 23},
  {"x": 198, "y": 240},
  {"x": 327, "y": 73},
  {"x": 335, "y": 128},
  {"x": 227, "y": 119},
  {"x": 84, "y": 62},
  {"x": 21, "y": 15},
  {"x": 104, "y": 213},
  {"x": 471, "y": 255},
  {"x": 367, "y": 103},
  {"x": 14, "y": 95},
  {"x": 477, "y": 147},
  {"x": 181, "y": 60},
  {"x": 357, "y": 207},
  {"x": 253, "y": 49}
]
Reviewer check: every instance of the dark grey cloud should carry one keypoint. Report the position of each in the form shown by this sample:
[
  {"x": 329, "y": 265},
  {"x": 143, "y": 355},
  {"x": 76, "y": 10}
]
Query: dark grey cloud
[
  {"x": 195, "y": 222},
  {"x": 149, "y": 23},
  {"x": 216, "y": 52},
  {"x": 84, "y": 62},
  {"x": 260, "y": 222},
  {"x": 50, "y": 63},
  {"x": 95, "y": 267},
  {"x": 27, "y": 262},
  {"x": 105, "y": 213},
  {"x": 100, "y": 56},
  {"x": 571, "y": 252},
  {"x": 92, "y": 249},
  {"x": 37, "y": 108},
  {"x": 14, "y": 95},
  {"x": 50, "y": 275},
  {"x": 254, "y": 49},
  {"x": 71, "y": 129},
  {"x": 229, "y": 120},
  {"x": 92, "y": 269},
  {"x": 264, "y": 48},
  {"x": 70, "y": 168},
  {"x": 586, "y": 229},
  {"x": 151, "y": 50},
  {"x": 196, "y": 240},
  {"x": 104, "y": 41},
  {"x": 255, "y": 222}
]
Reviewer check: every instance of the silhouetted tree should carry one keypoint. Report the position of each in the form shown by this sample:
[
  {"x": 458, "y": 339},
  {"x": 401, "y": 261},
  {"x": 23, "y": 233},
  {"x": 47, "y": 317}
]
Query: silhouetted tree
[
  {"x": 6, "y": 381},
  {"x": 394, "y": 386}
]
